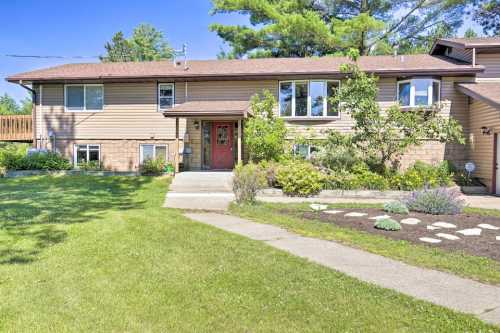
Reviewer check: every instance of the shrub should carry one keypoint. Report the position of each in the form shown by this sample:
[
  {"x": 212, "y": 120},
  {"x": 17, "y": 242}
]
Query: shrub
[
  {"x": 35, "y": 161},
  {"x": 270, "y": 170},
  {"x": 299, "y": 178},
  {"x": 396, "y": 207},
  {"x": 360, "y": 178},
  {"x": 338, "y": 152},
  {"x": 421, "y": 175},
  {"x": 247, "y": 181},
  {"x": 89, "y": 166},
  {"x": 436, "y": 201},
  {"x": 387, "y": 224},
  {"x": 153, "y": 166}
]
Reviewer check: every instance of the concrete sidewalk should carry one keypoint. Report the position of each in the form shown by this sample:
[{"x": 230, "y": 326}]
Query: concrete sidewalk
[{"x": 433, "y": 286}]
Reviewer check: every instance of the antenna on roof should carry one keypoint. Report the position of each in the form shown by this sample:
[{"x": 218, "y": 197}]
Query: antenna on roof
[{"x": 181, "y": 52}]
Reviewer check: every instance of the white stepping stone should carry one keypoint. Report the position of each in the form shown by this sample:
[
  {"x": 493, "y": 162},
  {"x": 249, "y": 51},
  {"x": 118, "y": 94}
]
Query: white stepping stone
[
  {"x": 470, "y": 232},
  {"x": 355, "y": 214},
  {"x": 430, "y": 240},
  {"x": 498, "y": 238},
  {"x": 411, "y": 221},
  {"x": 447, "y": 236},
  {"x": 380, "y": 217},
  {"x": 431, "y": 227},
  {"x": 318, "y": 207},
  {"x": 488, "y": 226},
  {"x": 445, "y": 225},
  {"x": 333, "y": 212}
]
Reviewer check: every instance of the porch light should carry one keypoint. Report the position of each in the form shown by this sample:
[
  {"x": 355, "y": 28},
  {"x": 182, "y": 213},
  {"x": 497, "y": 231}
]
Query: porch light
[
  {"x": 485, "y": 130},
  {"x": 196, "y": 124}
]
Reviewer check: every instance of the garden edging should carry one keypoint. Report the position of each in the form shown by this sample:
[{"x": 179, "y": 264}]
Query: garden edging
[
  {"x": 367, "y": 194},
  {"x": 26, "y": 173}
]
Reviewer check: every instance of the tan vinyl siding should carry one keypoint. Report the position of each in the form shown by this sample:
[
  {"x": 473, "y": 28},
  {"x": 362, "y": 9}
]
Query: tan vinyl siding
[
  {"x": 481, "y": 153},
  {"x": 227, "y": 90},
  {"x": 461, "y": 54},
  {"x": 491, "y": 62}
]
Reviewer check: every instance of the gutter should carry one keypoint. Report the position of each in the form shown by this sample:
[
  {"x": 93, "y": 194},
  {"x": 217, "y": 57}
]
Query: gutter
[{"x": 33, "y": 109}]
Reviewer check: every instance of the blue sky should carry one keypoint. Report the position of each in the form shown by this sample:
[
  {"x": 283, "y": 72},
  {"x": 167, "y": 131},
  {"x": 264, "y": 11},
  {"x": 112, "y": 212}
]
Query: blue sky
[{"x": 81, "y": 27}]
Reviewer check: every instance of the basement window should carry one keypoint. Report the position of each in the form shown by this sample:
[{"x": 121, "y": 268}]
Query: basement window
[
  {"x": 87, "y": 153},
  {"x": 418, "y": 92},
  {"x": 152, "y": 152}
]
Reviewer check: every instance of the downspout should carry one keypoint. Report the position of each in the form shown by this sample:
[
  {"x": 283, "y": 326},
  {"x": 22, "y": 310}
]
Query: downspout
[
  {"x": 33, "y": 111},
  {"x": 474, "y": 57}
]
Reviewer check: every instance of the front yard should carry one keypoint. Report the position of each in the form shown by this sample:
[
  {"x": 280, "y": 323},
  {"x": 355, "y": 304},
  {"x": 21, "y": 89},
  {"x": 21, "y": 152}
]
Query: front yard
[
  {"x": 475, "y": 257},
  {"x": 101, "y": 254}
]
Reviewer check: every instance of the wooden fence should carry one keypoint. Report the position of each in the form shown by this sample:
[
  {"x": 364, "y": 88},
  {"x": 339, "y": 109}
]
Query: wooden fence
[{"x": 16, "y": 128}]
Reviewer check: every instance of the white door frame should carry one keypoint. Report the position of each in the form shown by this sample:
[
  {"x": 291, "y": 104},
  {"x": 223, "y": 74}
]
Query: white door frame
[{"x": 496, "y": 164}]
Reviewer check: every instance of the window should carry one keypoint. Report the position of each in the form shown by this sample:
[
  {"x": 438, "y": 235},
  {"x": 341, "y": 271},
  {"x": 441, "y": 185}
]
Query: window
[
  {"x": 419, "y": 92},
  {"x": 304, "y": 150},
  {"x": 165, "y": 96},
  {"x": 84, "y": 97},
  {"x": 308, "y": 98},
  {"x": 150, "y": 152},
  {"x": 222, "y": 135},
  {"x": 86, "y": 154}
]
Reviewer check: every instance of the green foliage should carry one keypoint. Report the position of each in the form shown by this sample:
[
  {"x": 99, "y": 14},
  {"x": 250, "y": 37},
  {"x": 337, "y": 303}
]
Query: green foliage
[
  {"x": 421, "y": 175},
  {"x": 270, "y": 170},
  {"x": 16, "y": 159},
  {"x": 387, "y": 224},
  {"x": 264, "y": 133},
  {"x": 299, "y": 177},
  {"x": 487, "y": 14},
  {"x": 153, "y": 166},
  {"x": 8, "y": 106},
  {"x": 297, "y": 28},
  {"x": 146, "y": 44},
  {"x": 359, "y": 178},
  {"x": 386, "y": 136},
  {"x": 396, "y": 207},
  {"x": 247, "y": 181},
  {"x": 337, "y": 152},
  {"x": 438, "y": 201},
  {"x": 89, "y": 166}
]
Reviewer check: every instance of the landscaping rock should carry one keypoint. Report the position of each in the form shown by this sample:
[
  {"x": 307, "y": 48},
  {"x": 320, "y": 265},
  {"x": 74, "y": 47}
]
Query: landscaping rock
[
  {"x": 355, "y": 214},
  {"x": 447, "y": 236},
  {"x": 430, "y": 240},
  {"x": 318, "y": 207},
  {"x": 488, "y": 226},
  {"x": 333, "y": 212},
  {"x": 380, "y": 217},
  {"x": 445, "y": 225},
  {"x": 470, "y": 232},
  {"x": 410, "y": 220},
  {"x": 431, "y": 227}
]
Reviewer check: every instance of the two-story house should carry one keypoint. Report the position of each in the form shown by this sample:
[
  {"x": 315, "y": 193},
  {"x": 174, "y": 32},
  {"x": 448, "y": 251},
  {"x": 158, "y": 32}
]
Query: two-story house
[{"x": 120, "y": 114}]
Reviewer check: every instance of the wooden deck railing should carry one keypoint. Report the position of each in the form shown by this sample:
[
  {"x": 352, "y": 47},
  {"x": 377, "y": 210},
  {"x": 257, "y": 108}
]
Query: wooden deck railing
[{"x": 16, "y": 128}]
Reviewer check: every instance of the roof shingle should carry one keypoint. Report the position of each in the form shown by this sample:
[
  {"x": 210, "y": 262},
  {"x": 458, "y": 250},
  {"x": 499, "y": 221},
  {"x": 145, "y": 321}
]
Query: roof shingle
[{"x": 488, "y": 92}]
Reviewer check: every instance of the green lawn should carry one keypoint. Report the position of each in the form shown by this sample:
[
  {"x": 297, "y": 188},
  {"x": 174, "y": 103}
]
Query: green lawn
[
  {"x": 100, "y": 254},
  {"x": 288, "y": 216}
]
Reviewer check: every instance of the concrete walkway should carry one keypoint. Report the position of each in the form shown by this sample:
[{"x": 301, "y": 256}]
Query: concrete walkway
[
  {"x": 433, "y": 286},
  {"x": 204, "y": 190}
]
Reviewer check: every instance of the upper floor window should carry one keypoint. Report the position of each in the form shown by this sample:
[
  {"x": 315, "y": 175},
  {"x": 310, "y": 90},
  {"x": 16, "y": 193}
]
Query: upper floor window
[
  {"x": 84, "y": 97},
  {"x": 165, "y": 96},
  {"x": 308, "y": 98},
  {"x": 419, "y": 92}
]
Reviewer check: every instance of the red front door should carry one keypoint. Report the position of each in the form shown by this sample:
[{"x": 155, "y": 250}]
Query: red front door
[{"x": 222, "y": 146}]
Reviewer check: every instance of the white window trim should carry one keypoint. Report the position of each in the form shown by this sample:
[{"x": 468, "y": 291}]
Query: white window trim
[
  {"x": 413, "y": 92},
  {"x": 158, "y": 93},
  {"x": 141, "y": 150},
  {"x": 85, "y": 85},
  {"x": 75, "y": 152},
  {"x": 309, "y": 147},
  {"x": 309, "y": 116}
]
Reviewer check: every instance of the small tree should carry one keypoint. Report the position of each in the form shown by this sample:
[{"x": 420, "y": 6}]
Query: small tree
[
  {"x": 264, "y": 133},
  {"x": 388, "y": 135}
]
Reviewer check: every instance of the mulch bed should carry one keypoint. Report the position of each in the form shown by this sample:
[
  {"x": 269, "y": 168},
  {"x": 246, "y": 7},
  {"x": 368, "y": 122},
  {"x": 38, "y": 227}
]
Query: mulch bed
[{"x": 484, "y": 245}]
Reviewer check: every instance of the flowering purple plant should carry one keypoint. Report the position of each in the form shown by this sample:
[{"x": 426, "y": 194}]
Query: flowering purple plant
[{"x": 438, "y": 201}]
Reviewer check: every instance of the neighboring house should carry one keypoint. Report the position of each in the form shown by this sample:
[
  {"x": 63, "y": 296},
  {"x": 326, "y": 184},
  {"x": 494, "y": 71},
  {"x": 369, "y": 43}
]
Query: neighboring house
[{"x": 120, "y": 114}]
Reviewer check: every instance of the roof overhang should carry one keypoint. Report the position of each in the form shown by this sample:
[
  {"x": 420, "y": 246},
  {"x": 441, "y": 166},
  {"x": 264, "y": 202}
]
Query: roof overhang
[
  {"x": 487, "y": 92},
  {"x": 209, "y": 109}
]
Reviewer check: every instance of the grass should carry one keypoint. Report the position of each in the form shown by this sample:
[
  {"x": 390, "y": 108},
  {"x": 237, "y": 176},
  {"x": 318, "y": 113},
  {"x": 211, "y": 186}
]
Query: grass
[
  {"x": 287, "y": 216},
  {"x": 100, "y": 254}
]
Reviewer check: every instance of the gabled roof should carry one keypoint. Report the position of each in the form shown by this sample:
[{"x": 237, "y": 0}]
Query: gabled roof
[
  {"x": 467, "y": 43},
  {"x": 487, "y": 92},
  {"x": 265, "y": 67}
]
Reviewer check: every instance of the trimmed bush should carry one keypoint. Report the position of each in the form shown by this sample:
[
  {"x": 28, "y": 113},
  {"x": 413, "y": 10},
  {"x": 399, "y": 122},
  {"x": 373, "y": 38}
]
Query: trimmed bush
[
  {"x": 153, "y": 166},
  {"x": 438, "y": 201},
  {"x": 396, "y": 207},
  {"x": 35, "y": 161},
  {"x": 299, "y": 178},
  {"x": 421, "y": 175},
  {"x": 360, "y": 178},
  {"x": 387, "y": 224},
  {"x": 89, "y": 166},
  {"x": 247, "y": 181}
]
